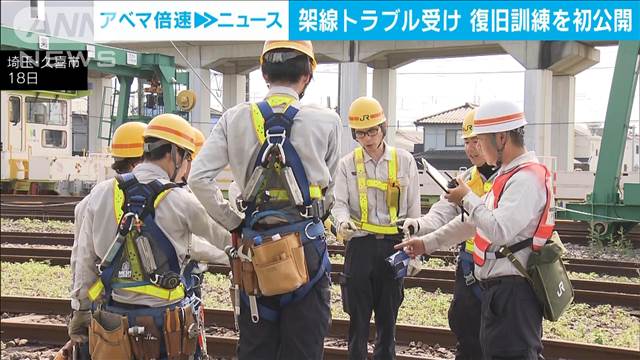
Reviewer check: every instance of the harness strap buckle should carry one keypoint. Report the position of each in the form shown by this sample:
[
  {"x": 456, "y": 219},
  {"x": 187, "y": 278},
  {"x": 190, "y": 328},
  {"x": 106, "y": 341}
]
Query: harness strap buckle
[
  {"x": 281, "y": 135},
  {"x": 241, "y": 204},
  {"x": 469, "y": 279},
  {"x": 308, "y": 212}
]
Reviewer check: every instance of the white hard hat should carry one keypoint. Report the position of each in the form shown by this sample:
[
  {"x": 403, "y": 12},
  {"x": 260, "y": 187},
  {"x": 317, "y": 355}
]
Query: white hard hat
[{"x": 497, "y": 116}]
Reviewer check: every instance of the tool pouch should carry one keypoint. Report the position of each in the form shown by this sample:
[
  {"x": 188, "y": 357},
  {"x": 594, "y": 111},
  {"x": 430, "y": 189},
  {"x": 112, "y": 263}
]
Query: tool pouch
[
  {"x": 249, "y": 279},
  {"x": 343, "y": 279},
  {"x": 108, "y": 337},
  {"x": 190, "y": 332},
  {"x": 151, "y": 339},
  {"x": 393, "y": 195},
  {"x": 280, "y": 264},
  {"x": 172, "y": 333}
]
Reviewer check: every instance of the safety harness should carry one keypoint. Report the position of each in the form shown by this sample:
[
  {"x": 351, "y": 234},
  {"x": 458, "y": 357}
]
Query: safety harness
[
  {"x": 465, "y": 255},
  {"x": 391, "y": 187},
  {"x": 134, "y": 206},
  {"x": 545, "y": 226},
  {"x": 277, "y": 156}
]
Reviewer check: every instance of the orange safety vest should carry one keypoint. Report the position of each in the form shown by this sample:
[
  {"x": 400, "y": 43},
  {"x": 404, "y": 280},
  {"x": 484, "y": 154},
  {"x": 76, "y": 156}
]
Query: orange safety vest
[{"x": 545, "y": 225}]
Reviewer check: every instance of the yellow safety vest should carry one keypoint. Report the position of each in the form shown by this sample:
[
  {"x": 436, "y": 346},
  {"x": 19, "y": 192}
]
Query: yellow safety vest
[
  {"x": 391, "y": 187},
  {"x": 152, "y": 290},
  {"x": 479, "y": 187},
  {"x": 315, "y": 192}
]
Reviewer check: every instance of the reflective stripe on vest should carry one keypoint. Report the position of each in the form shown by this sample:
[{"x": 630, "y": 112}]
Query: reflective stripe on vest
[
  {"x": 96, "y": 289},
  {"x": 545, "y": 225},
  {"x": 176, "y": 294},
  {"x": 364, "y": 184},
  {"x": 258, "y": 125},
  {"x": 479, "y": 187}
]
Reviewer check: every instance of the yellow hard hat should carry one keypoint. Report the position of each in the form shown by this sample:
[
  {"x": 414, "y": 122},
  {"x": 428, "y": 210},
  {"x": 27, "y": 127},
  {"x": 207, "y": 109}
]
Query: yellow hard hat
[
  {"x": 305, "y": 47},
  {"x": 198, "y": 140},
  {"x": 128, "y": 140},
  {"x": 172, "y": 128},
  {"x": 365, "y": 112},
  {"x": 467, "y": 125}
]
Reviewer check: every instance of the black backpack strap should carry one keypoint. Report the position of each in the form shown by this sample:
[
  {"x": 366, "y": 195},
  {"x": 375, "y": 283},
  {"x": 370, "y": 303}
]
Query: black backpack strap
[{"x": 501, "y": 253}]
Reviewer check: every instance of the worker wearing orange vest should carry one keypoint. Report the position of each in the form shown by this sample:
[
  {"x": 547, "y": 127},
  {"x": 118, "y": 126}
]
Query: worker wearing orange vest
[
  {"x": 515, "y": 216},
  {"x": 376, "y": 184},
  {"x": 464, "y": 311}
]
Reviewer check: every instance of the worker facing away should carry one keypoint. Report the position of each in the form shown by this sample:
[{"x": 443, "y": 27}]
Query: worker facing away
[
  {"x": 282, "y": 155},
  {"x": 126, "y": 151},
  {"x": 376, "y": 184},
  {"x": 134, "y": 296},
  {"x": 506, "y": 227},
  {"x": 464, "y": 311}
]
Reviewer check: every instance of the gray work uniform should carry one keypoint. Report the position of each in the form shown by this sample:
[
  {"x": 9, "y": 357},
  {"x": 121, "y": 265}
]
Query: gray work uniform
[
  {"x": 371, "y": 286},
  {"x": 315, "y": 135},
  {"x": 178, "y": 215},
  {"x": 516, "y": 331}
]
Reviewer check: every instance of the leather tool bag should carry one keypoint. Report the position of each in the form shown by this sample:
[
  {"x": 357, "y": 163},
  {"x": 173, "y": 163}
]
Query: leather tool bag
[
  {"x": 108, "y": 337},
  {"x": 280, "y": 264},
  {"x": 190, "y": 332},
  {"x": 172, "y": 333},
  {"x": 151, "y": 340}
]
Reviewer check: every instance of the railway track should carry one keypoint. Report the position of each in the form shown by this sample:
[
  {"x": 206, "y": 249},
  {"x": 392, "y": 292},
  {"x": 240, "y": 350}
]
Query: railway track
[
  {"x": 26, "y": 327},
  {"x": 586, "y": 291},
  {"x": 605, "y": 267},
  {"x": 52, "y": 207},
  {"x": 45, "y": 207}
]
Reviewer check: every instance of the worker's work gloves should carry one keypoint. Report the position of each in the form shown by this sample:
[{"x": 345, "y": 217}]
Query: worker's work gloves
[
  {"x": 409, "y": 226},
  {"x": 346, "y": 229},
  {"x": 79, "y": 326},
  {"x": 414, "y": 267}
]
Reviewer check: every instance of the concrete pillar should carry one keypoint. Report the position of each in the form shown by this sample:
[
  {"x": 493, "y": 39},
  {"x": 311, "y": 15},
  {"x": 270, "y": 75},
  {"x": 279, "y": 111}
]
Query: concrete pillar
[
  {"x": 99, "y": 105},
  {"x": 200, "y": 114},
  {"x": 537, "y": 108},
  {"x": 233, "y": 89},
  {"x": 563, "y": 115},
  {"x": 353, "y": 84},
  {"x": 384, "y": 90}
]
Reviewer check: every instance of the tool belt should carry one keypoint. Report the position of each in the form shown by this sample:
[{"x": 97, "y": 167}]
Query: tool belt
[
  {"x": 273, "y": 263},
  {"x": 123, "y": 331}
]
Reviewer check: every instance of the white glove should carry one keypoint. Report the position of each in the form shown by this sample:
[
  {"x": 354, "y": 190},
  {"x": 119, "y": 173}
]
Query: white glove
[
  {"x": 410, "y": 227},
  {"x": 414, "y": 267},
  {"x": 346, "y": 230}
]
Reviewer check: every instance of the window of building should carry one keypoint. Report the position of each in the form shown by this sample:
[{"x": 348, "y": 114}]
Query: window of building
[
  {"x": 46, "y": 111},
  {"x": 54, "y": 138},
  {"x": 14, "y": 110},
  {"x": 453, "y": 138}
]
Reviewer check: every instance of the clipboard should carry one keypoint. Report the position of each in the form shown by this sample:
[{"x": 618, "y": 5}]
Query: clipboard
[
  {"x": 438, "y": 178},
  {"x": 435, "y": 175}
]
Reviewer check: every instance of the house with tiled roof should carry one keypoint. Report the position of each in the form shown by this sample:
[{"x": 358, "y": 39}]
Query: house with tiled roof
[{"x": 443, "y": 145}]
